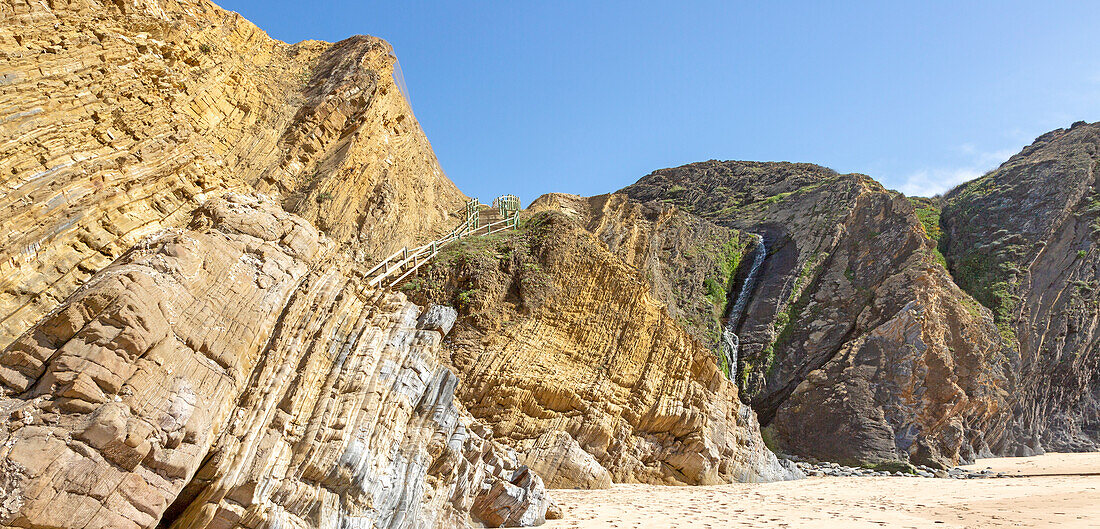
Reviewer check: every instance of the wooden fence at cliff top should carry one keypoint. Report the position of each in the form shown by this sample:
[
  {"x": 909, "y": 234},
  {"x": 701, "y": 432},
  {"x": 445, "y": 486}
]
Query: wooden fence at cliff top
[{"x": 405, "y": 262}]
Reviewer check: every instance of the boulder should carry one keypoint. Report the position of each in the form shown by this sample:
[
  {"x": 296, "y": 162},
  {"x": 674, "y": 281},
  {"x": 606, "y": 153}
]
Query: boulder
[
  {"x": 563, "y": 464},
  {"x": 438, "y": 318}
]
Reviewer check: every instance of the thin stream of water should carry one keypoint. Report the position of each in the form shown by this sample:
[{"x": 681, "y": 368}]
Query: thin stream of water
[{"x": 731, "y": 343}]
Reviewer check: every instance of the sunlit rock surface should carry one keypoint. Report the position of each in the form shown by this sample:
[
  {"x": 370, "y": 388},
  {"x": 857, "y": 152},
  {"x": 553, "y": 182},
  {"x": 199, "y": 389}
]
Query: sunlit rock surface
[{"x": 230, "y": 375}]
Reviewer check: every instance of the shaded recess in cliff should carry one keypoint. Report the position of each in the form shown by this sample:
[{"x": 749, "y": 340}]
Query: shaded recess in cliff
[
  {"x": 561, "y": 345},
  {"x": 856, "y": 346},
  {"x": 1023, "y": 240}
]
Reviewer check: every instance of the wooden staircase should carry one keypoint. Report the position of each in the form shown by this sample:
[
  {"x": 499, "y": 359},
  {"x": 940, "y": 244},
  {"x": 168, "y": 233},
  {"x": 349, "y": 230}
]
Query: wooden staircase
[{"x": 480, "y": 220}]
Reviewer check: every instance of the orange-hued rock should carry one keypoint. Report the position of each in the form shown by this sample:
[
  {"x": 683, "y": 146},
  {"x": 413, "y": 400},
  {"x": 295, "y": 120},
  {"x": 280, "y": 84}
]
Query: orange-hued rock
[
  {"x": 560, "y": 334},
  {"x": 122, "y": 117},
  {"x": 232, "y": 375},
  {"x": 688, "y": 261}
]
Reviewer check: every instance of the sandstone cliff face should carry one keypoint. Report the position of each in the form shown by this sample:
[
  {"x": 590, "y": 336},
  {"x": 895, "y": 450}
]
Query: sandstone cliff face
[
  {"x": 855, "y": 345},
  {"x": 561, "y": 346},
  {"x": 1023, "y": 240},
  {"x": 122, "y": 117},
  {"x": 173, "y": 353},
  {"x": 689, "y": 262},
  {"x": 230, "y": 375}
]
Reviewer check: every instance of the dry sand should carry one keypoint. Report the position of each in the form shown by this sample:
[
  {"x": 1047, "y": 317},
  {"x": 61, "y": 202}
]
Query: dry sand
[{"x": 1057, "y": 490}]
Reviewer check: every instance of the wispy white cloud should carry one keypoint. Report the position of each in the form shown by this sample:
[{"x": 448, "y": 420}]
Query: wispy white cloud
[{"x": 935, "y": 180}]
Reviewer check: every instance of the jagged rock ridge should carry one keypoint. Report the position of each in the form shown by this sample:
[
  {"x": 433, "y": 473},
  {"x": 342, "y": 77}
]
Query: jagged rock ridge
[{"x": 1023, "y": 240}]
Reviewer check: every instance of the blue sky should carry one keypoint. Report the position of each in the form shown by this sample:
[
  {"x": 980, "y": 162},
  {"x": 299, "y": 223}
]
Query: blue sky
[{"x": 586, "y": 98}]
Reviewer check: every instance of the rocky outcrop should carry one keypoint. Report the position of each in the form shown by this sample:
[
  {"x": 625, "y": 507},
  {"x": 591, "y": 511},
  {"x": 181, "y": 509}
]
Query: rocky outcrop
[
  {"x": 689, "y": 262},
  {"x": 121, "y": 118},
  {"x": 558, "y": 333},
  {"x": 556, "y": 455},
  {"x": 855, "y": 344},
  {"x": 231, "y": 375},
  {"x": 1023, "y": 241}
]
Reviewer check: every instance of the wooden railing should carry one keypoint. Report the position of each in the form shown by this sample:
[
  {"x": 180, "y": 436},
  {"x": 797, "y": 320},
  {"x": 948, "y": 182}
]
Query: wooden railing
[{"x": 404, "y": 262}]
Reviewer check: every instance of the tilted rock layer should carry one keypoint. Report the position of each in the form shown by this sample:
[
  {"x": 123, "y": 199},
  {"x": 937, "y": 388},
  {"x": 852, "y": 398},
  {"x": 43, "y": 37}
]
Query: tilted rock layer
[
  {"x": 561, "y": 346},
  {"x": 174, "y": 353},
  {"x": 855, "y": 345},
  {"x": 230, "y": 375},
  {"x": 122, "y": 117},
  {"x": 1023, "y": 240}
]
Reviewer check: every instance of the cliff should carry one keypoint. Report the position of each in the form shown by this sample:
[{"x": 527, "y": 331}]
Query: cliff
[
  {"x": 856, "y": 346},
  {"x": 188, "y": 209},
  {"x": 561, "y": 346},
  {"x": 178, "y": 350},
  {"x": 1023, "y": 240},
  {"x": 230, "y": 375},
  {"x": 122, "y": 118}
]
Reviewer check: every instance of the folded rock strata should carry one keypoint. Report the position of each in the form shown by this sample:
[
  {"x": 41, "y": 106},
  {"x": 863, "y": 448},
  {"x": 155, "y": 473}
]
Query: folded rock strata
[
  {"x": 1023, "y": 240},
  {"x": 560, "y": 334},
  {"x": 856, "y": 346},
  {"x": 122, "y": 117},
  {"x": 230, "y": 375},
  {"x": 688, "y": 261}
]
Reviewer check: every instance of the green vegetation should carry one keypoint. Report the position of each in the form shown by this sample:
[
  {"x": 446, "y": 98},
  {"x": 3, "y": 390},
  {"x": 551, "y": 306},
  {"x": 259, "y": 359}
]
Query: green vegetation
[
  {"x": 726, "y": 257},
  {"x": 466, "y": 297},
  {"x": 929, "y": 215},
  {"x": 205, "y": 48},
  {"x": 892, "y": 466},
  {"x": 714, "y": 292},
  {"x": 724, "y": 365},
  {"x": 1094, "y": 206},
  {"x": 1081, "y": 254},
  {"x": 412, "y": 285},
  {"x": 776, "y": 198},
  {"x": 991, "y": 277},
  {"x": 324, "y": 196},
  {"x": 469, "y": 273},
  {"x": 928, "y": 212}
]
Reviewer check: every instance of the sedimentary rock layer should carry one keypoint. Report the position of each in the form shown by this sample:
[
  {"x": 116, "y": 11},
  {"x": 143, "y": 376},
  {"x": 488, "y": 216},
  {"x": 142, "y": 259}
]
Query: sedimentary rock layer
[
  {"x": 855, "y": 344},
  {"x": 561, "y": 344},
  {"x": 688, "y": 261},
  {"x": 231, "y": 375},
  {"x": 1023, "y": 240},
  {"x": 120, "y": 118}
]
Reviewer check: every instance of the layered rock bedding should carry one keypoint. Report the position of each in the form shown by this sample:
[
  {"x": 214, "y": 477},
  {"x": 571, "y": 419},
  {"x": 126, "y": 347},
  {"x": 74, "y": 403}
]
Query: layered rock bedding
[{"x": 189, "y": 210}]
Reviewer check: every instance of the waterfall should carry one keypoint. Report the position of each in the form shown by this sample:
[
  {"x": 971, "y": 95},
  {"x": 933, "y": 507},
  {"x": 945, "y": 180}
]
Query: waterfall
[{"x": 730, "y": 341}]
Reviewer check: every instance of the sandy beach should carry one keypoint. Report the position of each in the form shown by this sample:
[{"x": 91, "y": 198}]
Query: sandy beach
[{"x": 1053, "y": 490}]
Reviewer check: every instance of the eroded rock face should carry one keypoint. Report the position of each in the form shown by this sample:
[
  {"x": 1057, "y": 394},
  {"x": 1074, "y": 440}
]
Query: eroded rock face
[
  {"x": 230, "y": 375},
  {"x": 121, "y": 118},
  {"x": 855, "y": 345},
  {"x": 558, "y": 333},
  {"x": 688, "y": 261},
  {"x": 562, "y": 462},
  {"x": 1023, "y": 240}
]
